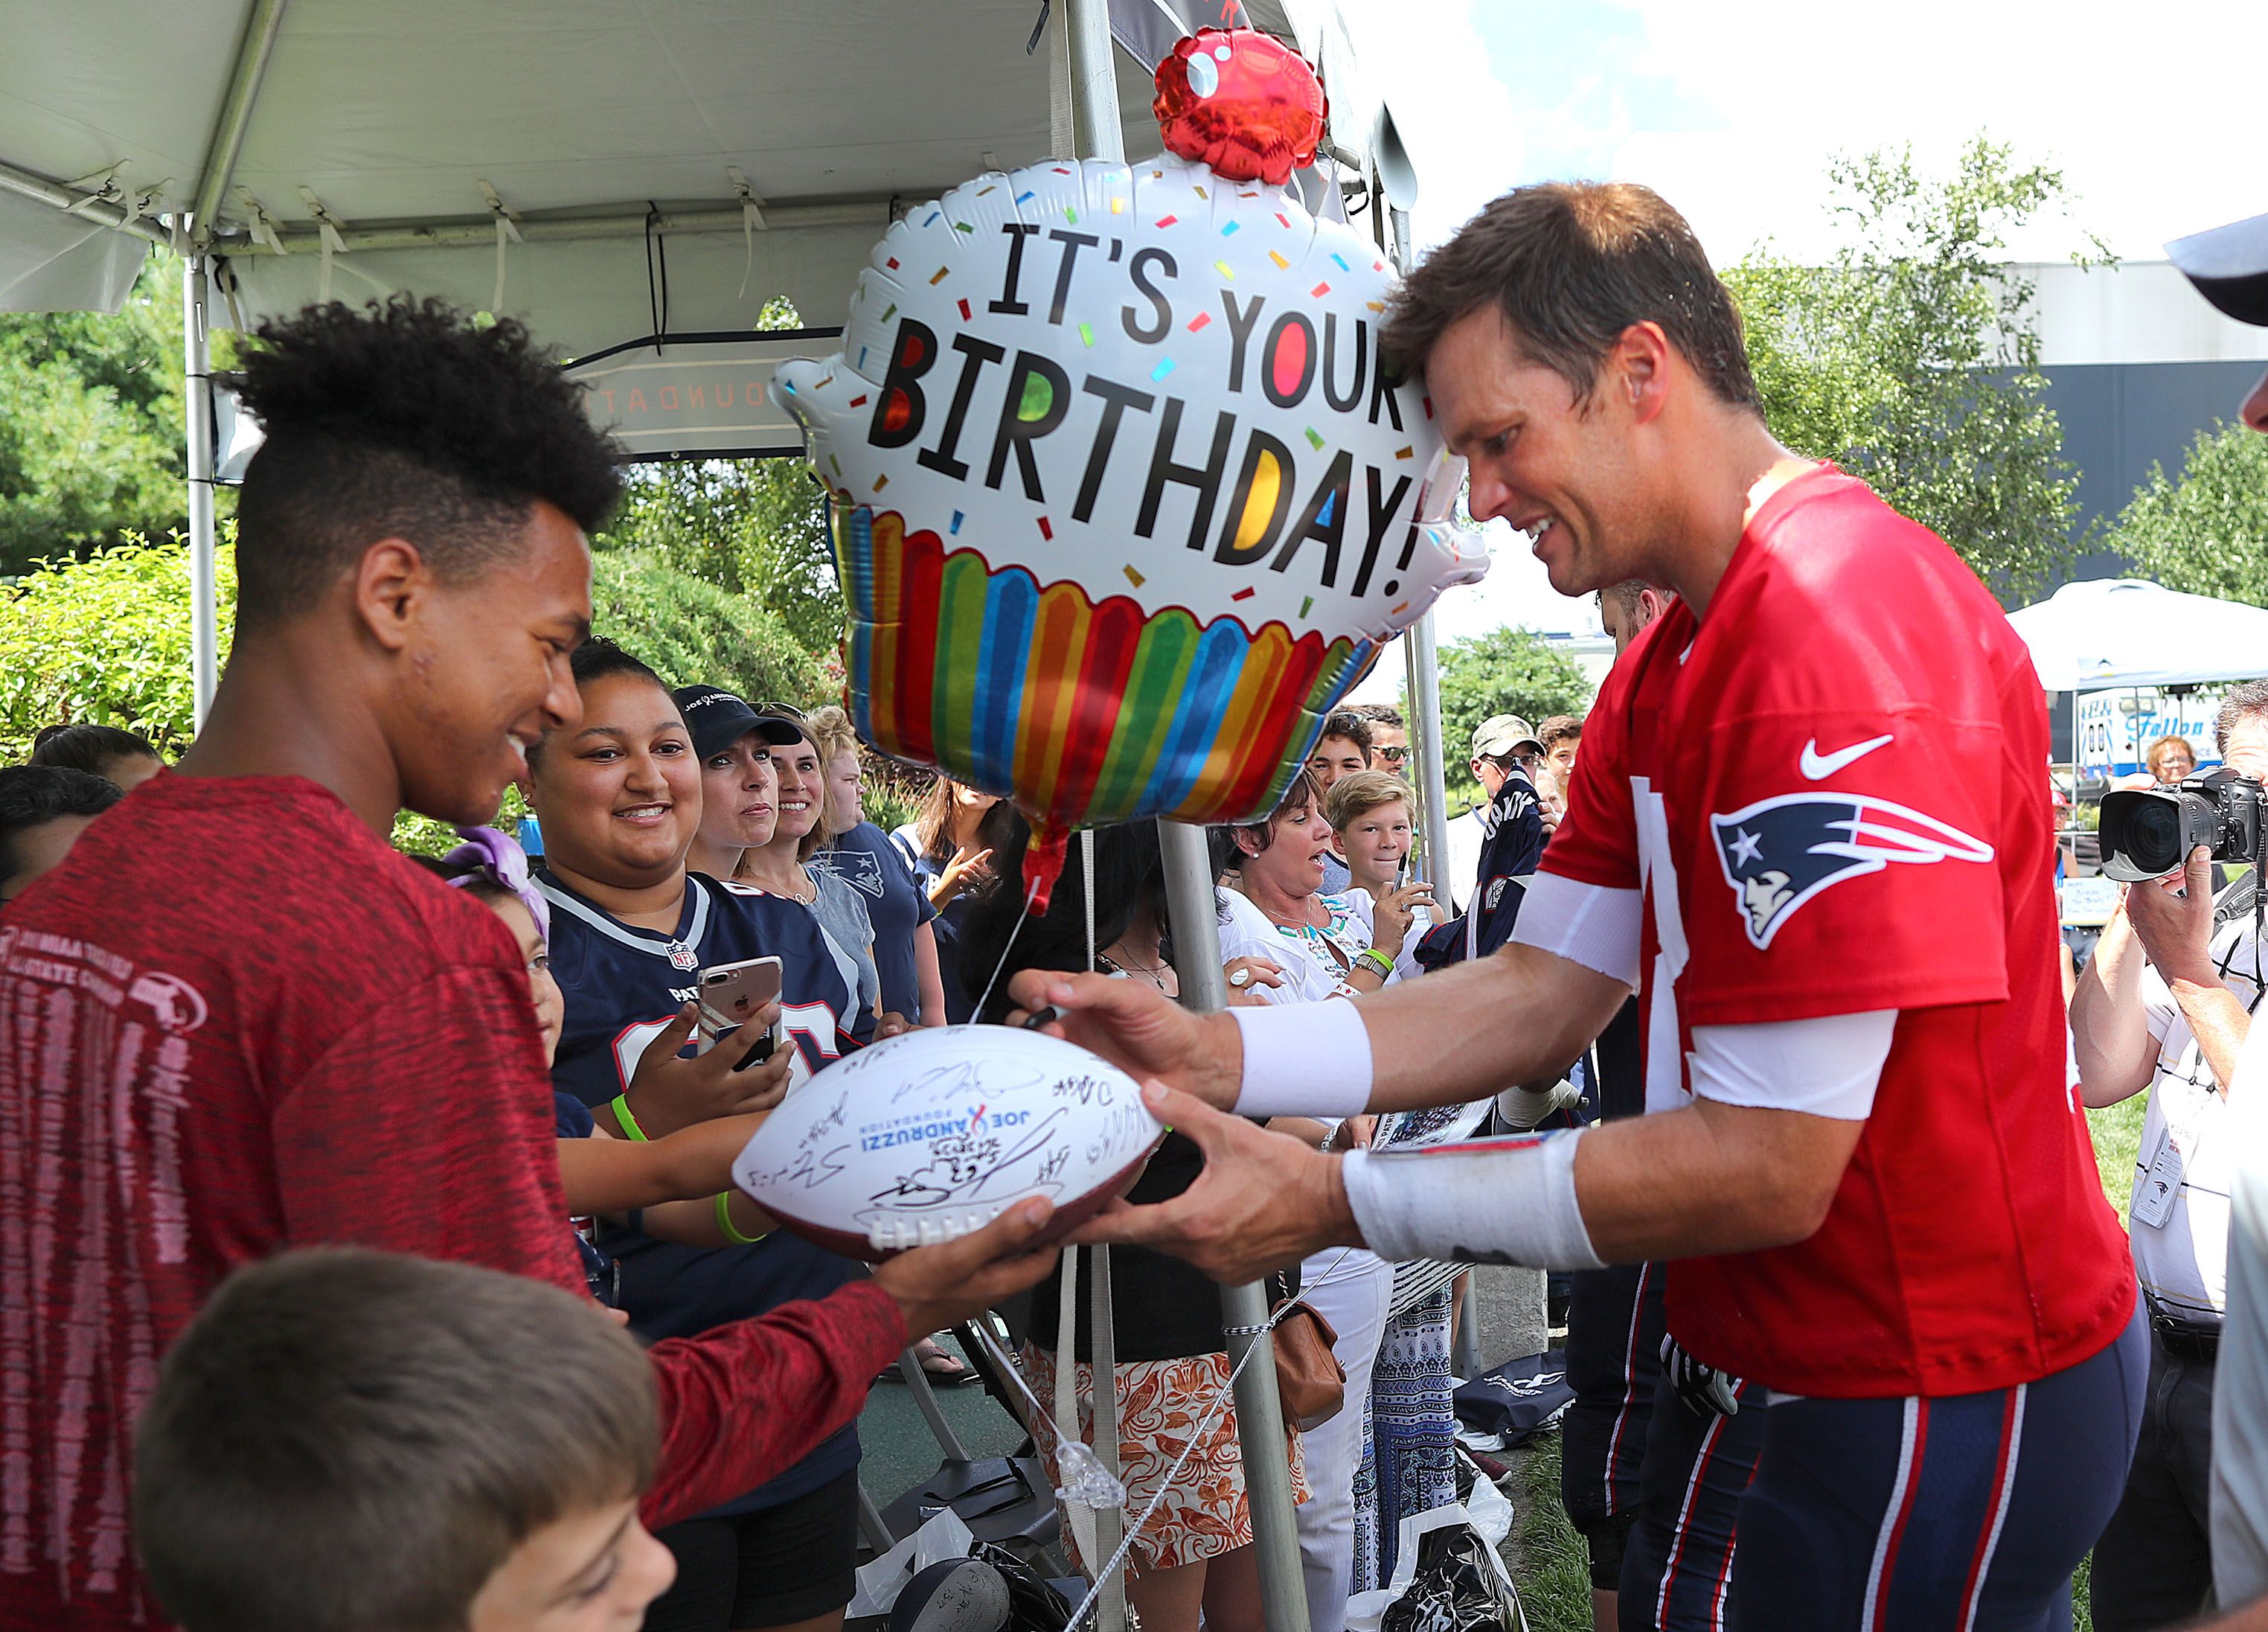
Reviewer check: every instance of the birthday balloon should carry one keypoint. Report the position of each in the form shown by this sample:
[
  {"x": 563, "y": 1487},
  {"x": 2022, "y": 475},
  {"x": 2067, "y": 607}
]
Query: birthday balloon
[{"x": 1125, "y": 498}]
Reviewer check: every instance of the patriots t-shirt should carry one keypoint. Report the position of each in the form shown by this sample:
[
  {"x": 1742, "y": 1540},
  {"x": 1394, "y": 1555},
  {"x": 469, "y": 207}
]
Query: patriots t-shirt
[
  {"x": 623, "y": 985},
  {"x": 1771, "y": 790},
  {"x": 866, "y": 859},
  {"x": 1512, "y": 839}
]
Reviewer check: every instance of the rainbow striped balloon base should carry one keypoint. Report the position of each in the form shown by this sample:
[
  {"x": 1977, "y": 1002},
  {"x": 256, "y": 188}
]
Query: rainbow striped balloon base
[{"x": 1083, "y": 712}]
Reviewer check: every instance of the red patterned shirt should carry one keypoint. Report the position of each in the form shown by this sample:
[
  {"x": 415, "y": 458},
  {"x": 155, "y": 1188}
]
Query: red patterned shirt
[{"x": 234, "y": 1021}]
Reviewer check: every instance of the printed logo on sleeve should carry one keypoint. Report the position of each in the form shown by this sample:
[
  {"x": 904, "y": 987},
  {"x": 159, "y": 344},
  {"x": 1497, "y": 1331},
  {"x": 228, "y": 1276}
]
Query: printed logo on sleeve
[{"x": 1777, "y": 854}]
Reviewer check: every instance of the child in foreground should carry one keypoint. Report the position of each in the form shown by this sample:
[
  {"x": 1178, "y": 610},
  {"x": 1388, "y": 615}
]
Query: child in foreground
[{"x": 350, "y": 1441}]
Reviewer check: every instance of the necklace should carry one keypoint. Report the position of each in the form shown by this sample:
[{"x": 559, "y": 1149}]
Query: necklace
[
  {"x": 802, "y": 896},
  {"x": 1298, "y": 918},
  {"x": 1120, "y": 959}
]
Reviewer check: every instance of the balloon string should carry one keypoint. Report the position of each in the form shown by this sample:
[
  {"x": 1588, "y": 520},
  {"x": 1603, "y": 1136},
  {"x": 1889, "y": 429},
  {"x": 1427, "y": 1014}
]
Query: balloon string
[
  {"x": 1002, "y": 964},
  {"x": 1265, "y": 1343}
]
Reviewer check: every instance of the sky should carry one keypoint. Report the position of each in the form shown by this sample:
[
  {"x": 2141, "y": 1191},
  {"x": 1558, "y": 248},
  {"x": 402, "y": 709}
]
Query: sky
[{"x": 2158, "y": 118}]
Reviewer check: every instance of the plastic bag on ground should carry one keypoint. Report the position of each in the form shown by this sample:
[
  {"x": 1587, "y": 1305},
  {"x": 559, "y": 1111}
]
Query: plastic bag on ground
[
  {"x": 1447, "y": 1577},
  {"x": 944, "y": 1536}
]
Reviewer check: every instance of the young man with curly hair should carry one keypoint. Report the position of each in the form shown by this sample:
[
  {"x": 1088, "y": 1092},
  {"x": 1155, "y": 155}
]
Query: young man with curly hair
[{"x": 234, "y": 1020}]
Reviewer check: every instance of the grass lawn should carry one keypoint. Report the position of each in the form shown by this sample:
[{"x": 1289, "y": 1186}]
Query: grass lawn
[{"x": 1548, "y": 1559}]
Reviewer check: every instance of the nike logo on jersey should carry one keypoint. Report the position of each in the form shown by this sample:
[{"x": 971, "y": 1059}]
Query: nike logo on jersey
[
  {"x": 1779, "y": 854},
  {"x": 1817, "y": 767}
]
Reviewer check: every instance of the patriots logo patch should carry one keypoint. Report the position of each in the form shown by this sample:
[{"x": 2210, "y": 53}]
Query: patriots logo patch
[
  {"x": 859, "y": 868},
  {"x": 1777, "y": 854}
]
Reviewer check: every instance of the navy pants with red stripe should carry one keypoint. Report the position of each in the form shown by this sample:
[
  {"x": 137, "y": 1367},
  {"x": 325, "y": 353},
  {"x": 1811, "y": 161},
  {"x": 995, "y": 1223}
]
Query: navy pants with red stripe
[
  {"x": 1967, "y": 1511},
  {"x": 1679, "y": 1570}
]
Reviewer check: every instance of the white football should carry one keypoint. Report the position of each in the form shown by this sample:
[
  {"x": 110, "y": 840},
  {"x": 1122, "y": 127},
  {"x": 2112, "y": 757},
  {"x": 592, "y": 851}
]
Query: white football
[{"x": 929, "y": 1135}]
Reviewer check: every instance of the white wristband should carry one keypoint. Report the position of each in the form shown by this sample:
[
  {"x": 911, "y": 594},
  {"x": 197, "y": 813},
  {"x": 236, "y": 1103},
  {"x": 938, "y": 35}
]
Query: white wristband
[
  {"x": 1304, "y": 1060},
  {"x": 1482, "y": 1201}
]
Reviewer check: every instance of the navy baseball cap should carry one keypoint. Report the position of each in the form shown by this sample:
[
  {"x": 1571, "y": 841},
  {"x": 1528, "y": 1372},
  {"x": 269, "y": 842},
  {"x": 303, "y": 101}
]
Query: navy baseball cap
[
  {"x": 2229, "y": 266},
  {"x": 718, "y": 719}
]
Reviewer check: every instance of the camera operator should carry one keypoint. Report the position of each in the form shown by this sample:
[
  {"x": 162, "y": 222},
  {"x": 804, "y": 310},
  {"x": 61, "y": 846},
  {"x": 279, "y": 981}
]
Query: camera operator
[{"x": 2175, "y": 1027}]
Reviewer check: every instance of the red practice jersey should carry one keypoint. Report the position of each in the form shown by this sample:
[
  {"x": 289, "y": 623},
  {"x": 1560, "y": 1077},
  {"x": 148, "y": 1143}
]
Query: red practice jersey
[
  {"x": 234, "y": 1021},
  {"x": 1832, "y": 796}
]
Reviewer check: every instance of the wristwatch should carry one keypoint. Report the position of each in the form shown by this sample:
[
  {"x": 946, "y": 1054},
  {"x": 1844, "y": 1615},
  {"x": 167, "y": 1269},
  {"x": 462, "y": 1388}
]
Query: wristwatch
[{"x": 1376, "y": 962}]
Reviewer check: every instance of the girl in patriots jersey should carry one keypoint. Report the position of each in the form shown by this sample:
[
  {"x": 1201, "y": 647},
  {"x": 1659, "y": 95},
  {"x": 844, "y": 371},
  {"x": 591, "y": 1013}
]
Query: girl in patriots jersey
[
  {"x": 682, "y": 1182},
  {"x": 620, "y": 799}
]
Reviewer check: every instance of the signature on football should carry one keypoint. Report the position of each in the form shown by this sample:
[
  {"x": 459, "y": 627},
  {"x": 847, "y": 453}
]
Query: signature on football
[
  {"x": 960, "y": 1077},
  {"x": 977, "y": 1165},
  {"x": 836, "y": 1118},
  {"x": 1119, "y": 1130},
  {"x": 1087, "y": 1089},
  {"x": 809, "y": 1169}
]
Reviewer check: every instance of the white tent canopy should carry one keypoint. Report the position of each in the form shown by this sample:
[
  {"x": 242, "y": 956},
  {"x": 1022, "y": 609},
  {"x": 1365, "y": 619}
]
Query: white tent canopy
[
  {"x": 605, "y": 170},
  {"x": 2127, "y": 632},
  {"x": 640, "y": 161}
]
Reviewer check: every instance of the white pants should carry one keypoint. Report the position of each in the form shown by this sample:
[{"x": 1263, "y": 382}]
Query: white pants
[{"x": 1351, "y": 1289}]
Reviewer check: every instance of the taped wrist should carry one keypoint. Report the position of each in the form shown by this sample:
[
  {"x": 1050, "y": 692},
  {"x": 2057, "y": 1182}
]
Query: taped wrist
[
  {"x": 1522, "y": 1108},
  {"x": 1304, "y": 1060},
  {"x": 1481, "y": 1201}
]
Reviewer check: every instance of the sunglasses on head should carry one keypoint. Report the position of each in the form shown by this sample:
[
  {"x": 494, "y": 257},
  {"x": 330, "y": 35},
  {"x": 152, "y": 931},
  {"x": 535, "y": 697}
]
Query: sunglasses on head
[{"x": 785, "y": 711}]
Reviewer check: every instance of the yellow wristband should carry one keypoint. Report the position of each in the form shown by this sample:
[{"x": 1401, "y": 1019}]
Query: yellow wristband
[
  {"x": 630, "y": 1123},
  {"x": 725, "y": 1222}
]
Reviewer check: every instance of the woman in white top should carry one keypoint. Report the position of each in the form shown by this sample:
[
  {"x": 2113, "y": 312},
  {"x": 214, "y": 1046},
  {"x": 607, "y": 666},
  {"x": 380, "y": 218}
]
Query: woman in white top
[
  {"x": 1325, "y": 947},
  {"x": 1329, "y": 946}
]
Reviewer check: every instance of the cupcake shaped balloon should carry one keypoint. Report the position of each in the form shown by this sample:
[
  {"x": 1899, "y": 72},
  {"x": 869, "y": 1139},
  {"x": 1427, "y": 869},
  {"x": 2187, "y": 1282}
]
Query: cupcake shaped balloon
[{"x": 1126, "y": 498}]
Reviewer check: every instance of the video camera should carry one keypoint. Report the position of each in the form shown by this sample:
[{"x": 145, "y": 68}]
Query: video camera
[{"x": 2149, "y": 833}]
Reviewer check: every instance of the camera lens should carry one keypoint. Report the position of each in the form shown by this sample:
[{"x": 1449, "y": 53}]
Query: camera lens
[{"x": 2154, "y": 835}]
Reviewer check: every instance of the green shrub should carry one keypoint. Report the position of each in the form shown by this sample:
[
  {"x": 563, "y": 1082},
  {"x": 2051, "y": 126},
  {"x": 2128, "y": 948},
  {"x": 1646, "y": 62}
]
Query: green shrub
[
  {"x": 107, "y": 640},
  {"x": 692, "y": 631}
]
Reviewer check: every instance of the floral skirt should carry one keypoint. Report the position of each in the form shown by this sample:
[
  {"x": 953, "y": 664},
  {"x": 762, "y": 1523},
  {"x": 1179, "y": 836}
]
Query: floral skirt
[{"x": 1162, "y": 1407}]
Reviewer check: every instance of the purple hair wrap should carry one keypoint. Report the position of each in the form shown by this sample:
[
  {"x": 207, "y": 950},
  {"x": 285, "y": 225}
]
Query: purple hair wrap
[{"x": 497, "y": 857}]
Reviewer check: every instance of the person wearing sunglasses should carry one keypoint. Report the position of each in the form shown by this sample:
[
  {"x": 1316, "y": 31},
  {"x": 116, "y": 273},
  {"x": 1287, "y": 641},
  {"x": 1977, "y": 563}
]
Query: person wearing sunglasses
[{"x": 1389, "y": 737}]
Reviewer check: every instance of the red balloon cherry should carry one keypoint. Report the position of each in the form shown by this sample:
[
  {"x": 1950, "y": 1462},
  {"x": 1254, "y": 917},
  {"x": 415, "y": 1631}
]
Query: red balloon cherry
[{"x": 1242, "y": 101}]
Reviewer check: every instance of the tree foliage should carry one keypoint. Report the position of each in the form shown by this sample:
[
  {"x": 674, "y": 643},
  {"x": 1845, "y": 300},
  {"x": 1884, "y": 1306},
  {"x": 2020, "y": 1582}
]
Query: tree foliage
[
  {"x": 1506, "y": 671},
  {"x": 106, "y": 639},
  {"x": 751, "y": 528},
  {"x": 91, "y": 425},
  {"x": 2206, "y": 531},
  {"x": 1912, "y": 359},
  {"x": 695, "y": 631}
]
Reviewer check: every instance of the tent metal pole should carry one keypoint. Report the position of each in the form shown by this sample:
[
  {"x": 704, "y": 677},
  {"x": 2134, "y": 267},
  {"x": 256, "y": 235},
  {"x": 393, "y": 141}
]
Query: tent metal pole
[
  {"x": 204, "y": 620},
  {"x": 1093, "y": 83},
  {"x": 1189, "y": 905},
  {"x": 1095, "y": 116},
  {"x": 581, "y": 227},
  {"x": 1432, "y": 759},
  {"x": 27, "y": 185},
  {"x": 252, "y": 54},
  {"x": 1243, "y": 1309}
]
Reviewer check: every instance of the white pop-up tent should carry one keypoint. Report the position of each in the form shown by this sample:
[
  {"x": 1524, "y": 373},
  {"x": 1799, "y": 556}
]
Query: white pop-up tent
[
  {"x": 703, "y": 155},
  {"x": 608, "y": 171},
  {"x": 2128, "y": 632}
]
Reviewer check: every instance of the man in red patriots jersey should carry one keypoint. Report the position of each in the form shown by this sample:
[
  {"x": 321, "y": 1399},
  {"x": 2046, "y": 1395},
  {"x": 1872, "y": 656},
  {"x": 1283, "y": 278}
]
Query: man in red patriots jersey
[{"x": 1860, "y": 1152}]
